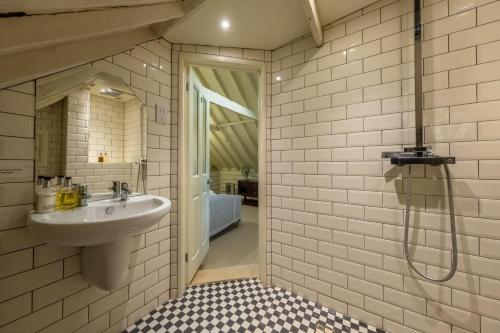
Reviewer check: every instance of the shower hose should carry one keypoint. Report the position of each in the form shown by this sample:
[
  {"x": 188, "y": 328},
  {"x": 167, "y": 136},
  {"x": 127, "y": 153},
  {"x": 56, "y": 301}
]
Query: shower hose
[{"x": 454, "y": 256}]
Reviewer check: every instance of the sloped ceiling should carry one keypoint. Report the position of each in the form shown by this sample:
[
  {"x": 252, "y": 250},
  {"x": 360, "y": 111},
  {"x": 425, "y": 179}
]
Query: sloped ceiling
[
  {"x": 256, "y": 24},
  {"x": 38, "y": 38},
  {"x": 233, "y": 137},
  {"x": 71, "y": 33}
]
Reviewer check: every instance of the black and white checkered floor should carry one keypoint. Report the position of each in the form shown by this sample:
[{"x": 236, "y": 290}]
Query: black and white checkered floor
[{"x": 245, "y": 306}]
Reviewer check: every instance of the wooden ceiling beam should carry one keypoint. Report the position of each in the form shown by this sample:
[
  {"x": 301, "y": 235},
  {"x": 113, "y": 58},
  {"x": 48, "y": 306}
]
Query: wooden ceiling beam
[
  {"x": 243, "y": 91},
  {"x": 190, "y": 7},
  {"x": 48, "y": 60},
  {"x": 217, "y": 95},
  {"x": 57, "y": 29},
  {"x": 30, "y": 7},
  {"x": 254, "y": 82},
  {"x": 229, "y": 87},
  {"x": 243, "y": 136},
  {"x": 247, "y": 88},
  {"x": 225, "y": 154},
  {"x": 239, "y": 148},
  {"x": 245, "y": 150},
  {"x": 239, "y": 122},
  {"x": 314, "y": 22}
]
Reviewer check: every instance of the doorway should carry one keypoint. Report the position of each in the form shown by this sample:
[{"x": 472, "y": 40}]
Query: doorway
[{"x": 221, "y": 170}]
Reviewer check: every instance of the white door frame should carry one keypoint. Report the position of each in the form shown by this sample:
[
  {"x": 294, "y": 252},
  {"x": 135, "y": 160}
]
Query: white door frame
[{"x": 190, "y": 59}]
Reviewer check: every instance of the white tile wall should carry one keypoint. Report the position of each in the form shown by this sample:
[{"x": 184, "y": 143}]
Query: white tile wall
[
  {"x": 335, "y": 222},
  {"x": 41, "y": 288},
  {"x": 373, "y": 112},
  {"x": 106, "y": 129}
]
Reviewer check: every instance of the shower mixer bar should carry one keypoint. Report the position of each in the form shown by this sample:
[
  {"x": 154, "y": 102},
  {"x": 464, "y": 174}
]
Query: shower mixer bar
[{"x": 423, "y": 155}]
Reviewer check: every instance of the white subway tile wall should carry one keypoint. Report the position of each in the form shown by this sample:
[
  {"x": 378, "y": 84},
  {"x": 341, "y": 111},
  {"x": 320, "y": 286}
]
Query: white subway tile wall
[
  {"x": 337, "y": 208},
  {"x": 41, "y": 288},
  {"x": 106, "y": 129}
]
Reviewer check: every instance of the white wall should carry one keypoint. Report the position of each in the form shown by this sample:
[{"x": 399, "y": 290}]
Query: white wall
[
  {"x": 338, "y": 207},
  {"x": 41, "y": 288},
  {"x": 335, "y": 225},
  {"x": 225, "y": 176},
  {"x": 106, "y": 129},
  {"x": 132, "y": 131}
]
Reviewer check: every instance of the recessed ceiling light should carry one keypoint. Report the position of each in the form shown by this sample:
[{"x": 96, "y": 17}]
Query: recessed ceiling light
[
  {"x": 225, "y": 24},
  {"x": 278, "y": 78}
]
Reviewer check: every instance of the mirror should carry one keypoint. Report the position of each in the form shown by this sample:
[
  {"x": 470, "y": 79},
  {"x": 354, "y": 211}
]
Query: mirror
[{"x": 90, "y": 126}]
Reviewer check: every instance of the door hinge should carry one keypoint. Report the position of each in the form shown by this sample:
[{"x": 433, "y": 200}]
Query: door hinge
[{"x": 186, "y": 257}]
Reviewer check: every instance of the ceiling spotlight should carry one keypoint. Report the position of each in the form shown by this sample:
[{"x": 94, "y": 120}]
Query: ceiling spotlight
[
  {"x": 225, "y": 24},
  {"x": 103, "y": 90},
  {"x": 278, "y": 78}
]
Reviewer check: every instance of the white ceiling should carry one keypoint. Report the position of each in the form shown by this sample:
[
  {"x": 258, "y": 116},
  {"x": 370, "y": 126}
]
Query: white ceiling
[{"x": 257, "y": 24}]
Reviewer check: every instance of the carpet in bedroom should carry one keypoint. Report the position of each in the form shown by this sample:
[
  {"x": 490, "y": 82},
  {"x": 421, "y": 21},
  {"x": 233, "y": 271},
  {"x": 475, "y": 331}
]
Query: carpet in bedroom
[{"x": 233, "y": 251}]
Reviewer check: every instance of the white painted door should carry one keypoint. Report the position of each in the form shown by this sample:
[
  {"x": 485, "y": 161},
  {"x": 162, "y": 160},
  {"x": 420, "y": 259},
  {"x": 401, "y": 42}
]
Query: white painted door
[{"x": 198, "y": 223}]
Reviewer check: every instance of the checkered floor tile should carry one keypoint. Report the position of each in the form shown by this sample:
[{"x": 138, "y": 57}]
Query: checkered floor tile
[{"x": 245, "y": 306}]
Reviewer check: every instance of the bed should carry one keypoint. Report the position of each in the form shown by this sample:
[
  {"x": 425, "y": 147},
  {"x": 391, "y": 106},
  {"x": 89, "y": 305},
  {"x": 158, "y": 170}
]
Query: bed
[{"x": 225, "y": 209}]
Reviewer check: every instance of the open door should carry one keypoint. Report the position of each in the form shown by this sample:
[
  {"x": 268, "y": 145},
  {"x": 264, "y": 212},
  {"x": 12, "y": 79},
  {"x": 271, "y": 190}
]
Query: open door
[{"x": 198, "y": 187}]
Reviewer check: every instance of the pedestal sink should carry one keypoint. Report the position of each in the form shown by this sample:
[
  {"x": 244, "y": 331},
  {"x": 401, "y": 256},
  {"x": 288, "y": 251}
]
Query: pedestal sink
[{"x": 104, "y": 229}]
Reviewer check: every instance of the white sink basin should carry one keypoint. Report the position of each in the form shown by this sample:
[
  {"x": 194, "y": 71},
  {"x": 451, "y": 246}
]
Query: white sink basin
[
  {"x": 104, "y": 230},
  {"x": 100, "y": 222}
]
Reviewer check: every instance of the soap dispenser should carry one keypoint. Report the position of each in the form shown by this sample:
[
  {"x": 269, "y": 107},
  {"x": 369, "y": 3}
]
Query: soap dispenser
[
  {"x": 45, "y": 197},
  {"x": 67, "y": 197}
]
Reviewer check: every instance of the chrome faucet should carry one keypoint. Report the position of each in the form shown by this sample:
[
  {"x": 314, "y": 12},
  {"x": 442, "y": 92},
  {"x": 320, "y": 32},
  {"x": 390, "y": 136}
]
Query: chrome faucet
[
  {"x": 116, "y": 189},
  {"x": 83, "y": 195},
  {"x": 124, "y": 192}
]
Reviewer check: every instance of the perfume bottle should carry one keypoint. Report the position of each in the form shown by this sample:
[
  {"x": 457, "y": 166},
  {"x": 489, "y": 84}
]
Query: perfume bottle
[{"x": 100, "y": 158}]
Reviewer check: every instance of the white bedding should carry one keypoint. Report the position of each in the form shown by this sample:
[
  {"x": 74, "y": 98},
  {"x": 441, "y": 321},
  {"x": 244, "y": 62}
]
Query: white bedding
[{"x": 225, "y": 209}]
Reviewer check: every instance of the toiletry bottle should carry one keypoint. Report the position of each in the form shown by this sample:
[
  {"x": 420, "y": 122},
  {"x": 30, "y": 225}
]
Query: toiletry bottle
[
  {"x": 100, "y": 158},
  {"x": 39, "y": 183},
  {"x": 58, "y": 190},
  {"x": 105, "y": 159},
  {"x": 45, "y": 197},
  {"x": 70, "y": 191}
]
